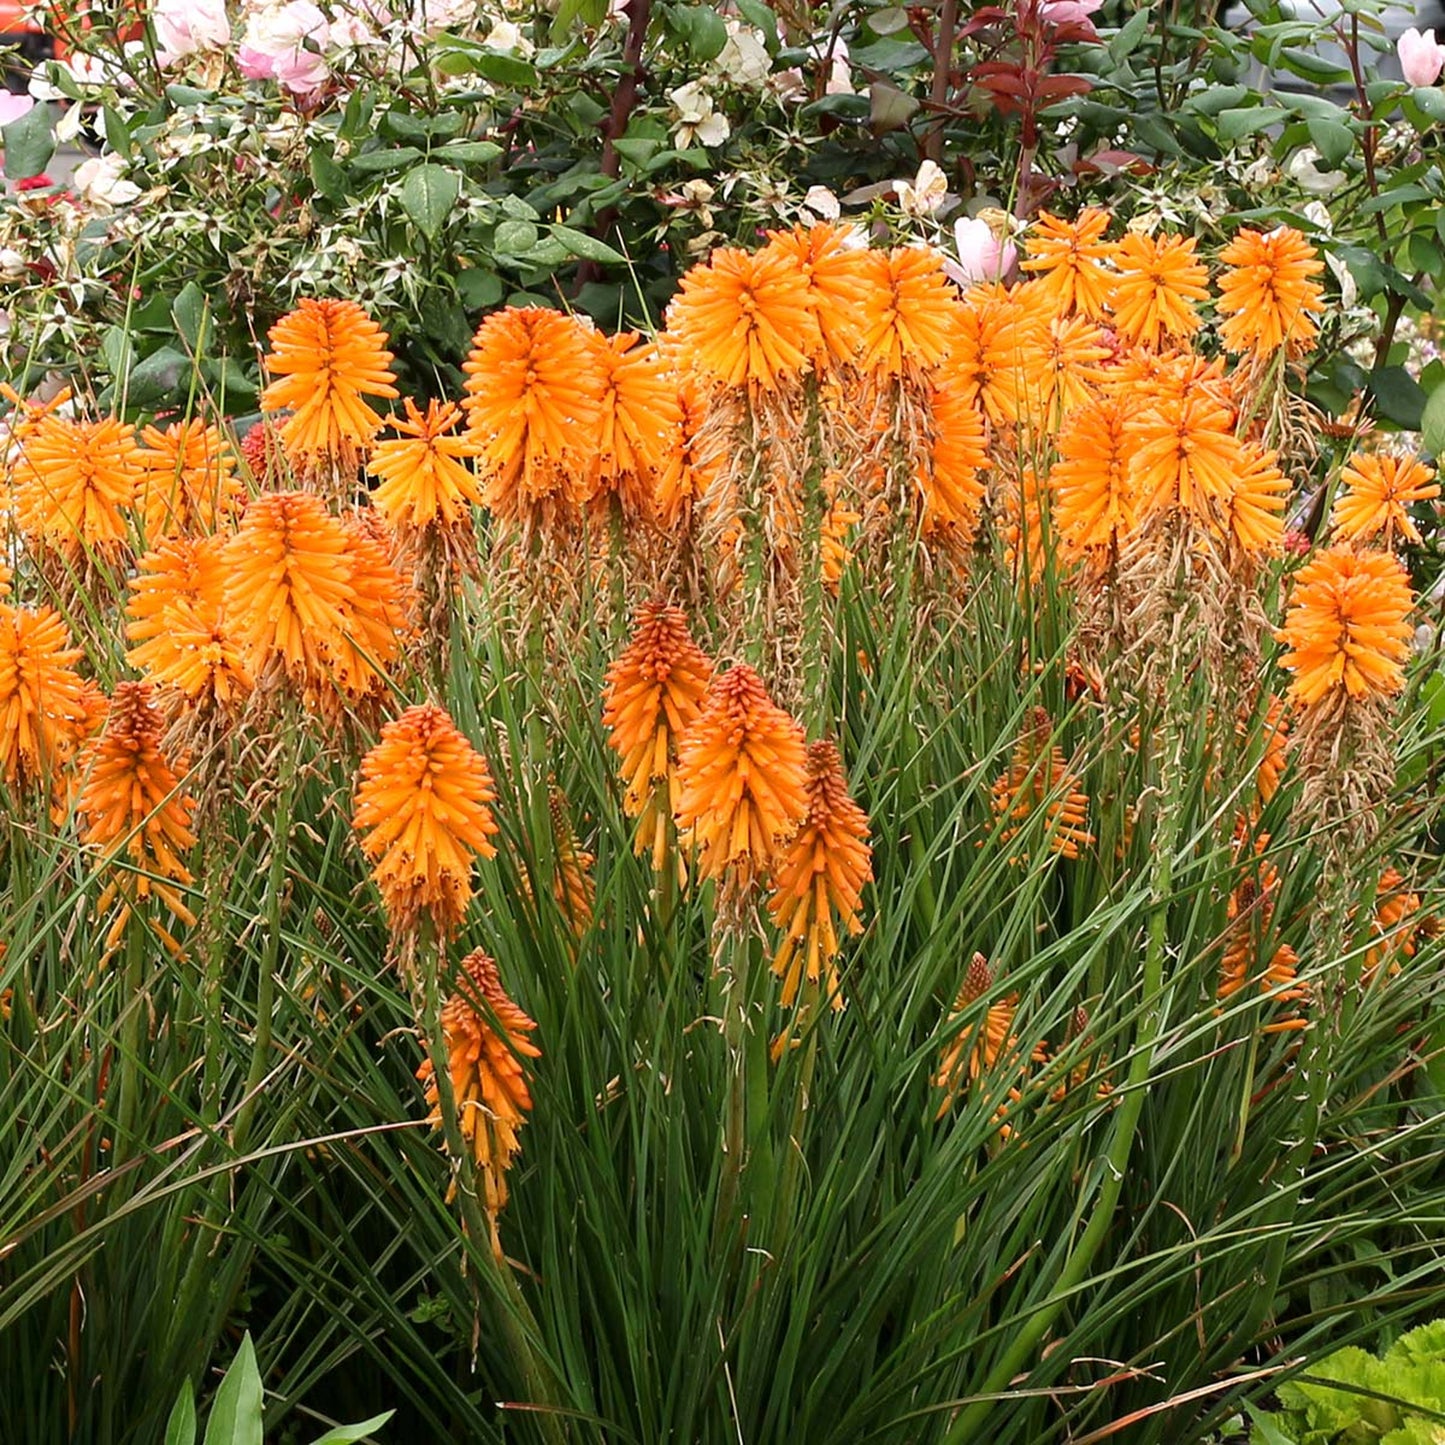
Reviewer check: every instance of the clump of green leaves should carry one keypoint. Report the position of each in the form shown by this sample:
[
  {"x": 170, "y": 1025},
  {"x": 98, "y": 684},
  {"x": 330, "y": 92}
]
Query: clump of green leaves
[{"x": 1356, "y": 1398}]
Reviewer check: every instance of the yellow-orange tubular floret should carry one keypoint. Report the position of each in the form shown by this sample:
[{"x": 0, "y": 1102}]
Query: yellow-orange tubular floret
[
  {"x": 1268, "y": 296},
  {"x": 637, "y": 429},
  {"x": 835, "y": 260},
  {"x": 973, "y": 1053},
  {"x": 1184, "y": 455},
  {"x": 1393, "y": 927},
  {"x": 188, "y": 482},
  {"x": 425, "y": 479},
  {"x": 746, "y": 319},
  {"x": 1254, "y": 509},
  {"x": 423, "y": 811},
  {"x": 535, "y": 380},
  {"x": 949, "y": 483},
  {"x": 42, "y": 699},
  {"x": 741, "y": 777},
  {"x": 1094, "y": 504},
  {"x": 1378, "y": 490},
  {"x": 653, "y": 695},
  {"x": 176, "y": 619},
  {"x": 1039, "y": 778},
  {"x": 909, "y": 311},
  {"x": 1347, "y": 627},
  {"x": 1062, "y": 368},
  {"x": 132, "y": 804},
  {"x": 74, "y": 483},
  {"x": 1251, "y": 911},
  {"x": 325, "y": 356},
  {"x": 486, "y": 1041},
  {"x": 376, "y": 617},
  {"x": 818, "y": 882},
  {"x": 992, "y": 339},
  {"x": 1160, "y": 279},
  {"x": 1070, "y": 259}
]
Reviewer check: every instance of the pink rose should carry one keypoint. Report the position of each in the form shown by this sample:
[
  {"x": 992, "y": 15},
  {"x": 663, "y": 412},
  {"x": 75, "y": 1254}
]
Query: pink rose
[
  {"x": 12, "y": 107},
  {"x": 186, "y": 26},
  {"x": 1067, "y": 12},
  {"x": 981, "y": 255},
  {"x": 1421, "y": 59}
]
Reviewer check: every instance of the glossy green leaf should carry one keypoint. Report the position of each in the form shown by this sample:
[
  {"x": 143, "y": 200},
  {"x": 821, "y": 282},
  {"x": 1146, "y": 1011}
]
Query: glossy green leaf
[
  {"x": 428, "y": 195},
  {"x": 235, "y": 1417}
]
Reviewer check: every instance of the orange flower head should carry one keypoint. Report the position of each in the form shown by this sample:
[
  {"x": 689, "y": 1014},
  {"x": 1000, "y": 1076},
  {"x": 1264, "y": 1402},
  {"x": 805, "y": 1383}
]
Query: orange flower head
[
  {"x": 950, "y": 485},
  {"x": 535, "y": 383},
  {"x": 487, "y": 1044},
  {"x": 425, "y": 479},
  {"x": 1070, "y": 259},
  {"x": 74, "y": 483},
  {"x": 132, "y": 804},
  {"x": 1185, "y": 456},
  {"x": 818, "y": 883},
  {"x": 1095, "y": 507},
  {"x": 1039, "y": 778},
  {"x": 993, "y": 340},
  {"x": 1254, "y": 508},
  {"x": 909, "y": 311},
  {"x": 971, "y": 1055},
  {"x": 1378, "y": 489},
  {"x": 741, "y": 777},
  {"x": 835, "y": 260},
  {"x": 637, "y": 433},
  {"x": 574, "y": 887},
  {"x": 1062, "y": 368},
  {"x": 1269, "y": 297},
  {"x": 188, "y": 481},
  {"x": 1251, "y": 912},
  {"x": 376, "y": 617},
  {"x": 1347, "y": 627},
  {"x": 653, "y": 695},
  {"x": 1160, "y": 279},
  {"x": 176, "y": 619},
  {"x": 1275, "y": 728},
  {"x": 747, "y": 319},
  {"x": 839, "y": 519},
  {"x": 325, "y": 356},
  {"x": 422, "y": 808},
  {"x": 42, "y": 699},
  {"x": 1394, "y": 926},
  {"x": 692, "y": 466}
]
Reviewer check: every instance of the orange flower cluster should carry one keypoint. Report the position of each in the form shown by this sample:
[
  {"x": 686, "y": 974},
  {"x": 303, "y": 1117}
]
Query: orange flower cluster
[
  {"x": 425, "y": 481},
  {"x": 133, "y": 805},
  {"x": 1378, "y": 489},
  {"x": 818, "y": 881},
  {"x": 1395, "y": 926},
  {"x": 653, "y": 695},
  {"x": 75, "y": 483},
  {"x": 326, "y": 356},
  {"x": 43, "y": 707},
  {"x": 487, "y": 1045},
  {"x": 1037, "y": 779},
  {"x": 423, "y": 811},
  {"x": 1268, "y": 296},
  {"x": 741, "y": 778},
  {"x": 188, "y": 482},
  {"x": 1347, "y": 627}
]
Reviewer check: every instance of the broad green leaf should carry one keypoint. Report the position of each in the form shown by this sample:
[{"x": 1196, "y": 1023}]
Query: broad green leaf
[
  {"x": 479, "y": 289},
  {"x": 327, "y": 176},
  {"x": 501, "y": 67},
  {"x": 468, "y": 152},
  {"x": 1333, "y": 139},
  {"x": 375, "y": 162},
  {"x": 428, "y": 195},
  {"x": 350, "y": 1434},
  {"x": 117, "y": 136},
  {"x": 188, "y": 311},
  {"x": 29, "y": 143},
  {"x": 181, "y": 1427},
  {"x": 762, "y": 17},
  {"x": 701, "y": 29},
  {"x": 1248, "y": 120},
  {"x": 1430, "y": 101},
  {"x": 515, "y": 238},
  {"x": 1432, "y": 423},
  {"x": 1398, "y": 396},
  {"x": 155, "y": 378},
  {"x": 589, "y": 248},
  {"x": 236, "y": 1411}
]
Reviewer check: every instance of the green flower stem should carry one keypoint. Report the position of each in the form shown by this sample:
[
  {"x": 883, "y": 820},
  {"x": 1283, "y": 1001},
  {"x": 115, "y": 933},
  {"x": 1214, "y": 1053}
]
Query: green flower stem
[{"x": 132, "y": 1015}]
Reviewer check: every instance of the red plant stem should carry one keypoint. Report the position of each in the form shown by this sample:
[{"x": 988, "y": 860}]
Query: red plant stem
[{"x": 942, "y": 66}]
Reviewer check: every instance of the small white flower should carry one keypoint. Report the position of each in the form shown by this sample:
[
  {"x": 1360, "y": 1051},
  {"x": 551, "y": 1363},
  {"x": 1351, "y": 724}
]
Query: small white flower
[
  {"x": 926, "y": 193},
  {"x": 1305, "y": 174},
  {"x": 697, "y": 120},
  {"x": 12, "y": 265},
  {"x": 744, "y": 59},
  {"x": 100, "y": 182},
  {"x": 504, "y": 35}
]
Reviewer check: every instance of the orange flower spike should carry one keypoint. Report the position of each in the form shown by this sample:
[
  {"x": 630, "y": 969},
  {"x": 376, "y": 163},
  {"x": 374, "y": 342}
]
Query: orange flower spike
[
  {"x": 1276, "y": 749},
  {"x": 1185, "y": 455},
  {"x": 176, "y": 619},
  {"x": 950, "y": 485},
  {"x": 909, "y": 311},
  {"x": 1160, "y": 278},
  {"x": 1394, "y": 925},
  {"x": 1256, "y": 502},
  {"x": 637, "y": 430},
  {"x": 1378, "y": 489},
  {"x": 132, "y": 802},
  {"x": 425, "y": 479},
  {"x": 974, "y": 1052},
  {"x": 653, "y": 694},
  {"x": 74, "y": 483},
  {"x": 376, "y": 617},
  {"x": 487, "y": 1045},
  {"x": 1269, "y": 296},
  {"x": 188, "y": 482},
  {"x": 422, "y": 808},
  {"x": 841, "y": 280},
  {"x": 747, "y": 319},
  {"x": 820, "y": 878},
  {"x": 741, "y": 777},
  {"x": 991, "y": 342},
  {"x": 1070, "y": 259},
  {"x": 289, "y": 586},
  {"x": 1347, "y": 627},
  {"x": 325, "y": 356},
  {"x": 1094, "y": 504},
  {"x": 1039, "y": 777},
  {"x": 42, "y": 699},
  {"x": 535, "y": 383}
]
